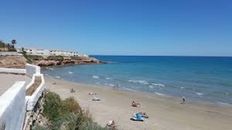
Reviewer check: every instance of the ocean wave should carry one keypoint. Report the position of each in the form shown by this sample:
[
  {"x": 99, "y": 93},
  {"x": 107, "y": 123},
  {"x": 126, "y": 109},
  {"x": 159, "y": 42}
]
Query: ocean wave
[
  {"x": 150, "y": 86},
  {"x": 50, "y": 68},
  {"x": 108, "y": 78},
  {"x": 109, "y": 84},
  {"x": 58, "y": 77},
  {"x": 159, "y": 85},
  {"x": 95, "y": 77},
  {"x": 70, "y": 72},
  {"x": 199, "y": 94},
  {"x": 139, "y": 81},
  {"x": 224, "y": 104},
  {"x": 160, "y": 94},
  {"x": 227, "y": 94}
]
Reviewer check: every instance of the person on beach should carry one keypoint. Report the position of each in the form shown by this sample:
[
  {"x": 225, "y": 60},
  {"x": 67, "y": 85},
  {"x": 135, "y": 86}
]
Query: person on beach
[
  {"x": 135, "y": 104},
  {"x": 111, "y": 125},
  {"x": 144, "y": 114},
  {"x": 72, "y": 90},
  {"x": 92, "y": 93},
  {"x": 183, "y": 100}
]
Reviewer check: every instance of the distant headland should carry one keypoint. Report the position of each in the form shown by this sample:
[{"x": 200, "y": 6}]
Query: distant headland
[{"x": 10, "y": 56}]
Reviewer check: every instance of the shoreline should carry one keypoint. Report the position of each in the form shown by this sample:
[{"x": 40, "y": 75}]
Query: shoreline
[
  {"x": 165, "y": 112},
  {"x": 178, "y": 99}
]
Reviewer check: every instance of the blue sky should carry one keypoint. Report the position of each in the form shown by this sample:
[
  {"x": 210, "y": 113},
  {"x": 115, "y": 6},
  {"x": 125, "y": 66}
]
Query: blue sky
[{"x": 121, "y": 27}]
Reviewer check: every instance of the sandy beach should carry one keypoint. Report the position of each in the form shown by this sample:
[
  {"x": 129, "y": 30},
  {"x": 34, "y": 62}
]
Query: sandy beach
[{"x": 165, "y": 113}]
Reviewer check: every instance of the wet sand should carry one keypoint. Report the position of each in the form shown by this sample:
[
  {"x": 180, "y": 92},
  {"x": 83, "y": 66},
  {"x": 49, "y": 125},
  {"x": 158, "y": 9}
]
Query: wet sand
[{"x": 165, "y": 113}]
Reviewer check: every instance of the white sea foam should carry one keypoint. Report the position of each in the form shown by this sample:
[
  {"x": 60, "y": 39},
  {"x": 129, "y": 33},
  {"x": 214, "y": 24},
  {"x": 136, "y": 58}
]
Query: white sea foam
[
  {"x": 199, "y": 94},
  {"x": 160, "y": 94},
  {"x": 159, "y": 85},
  {"x": 150, "y": 86},
  {"x": 181, "y": 87},
  {"x": 108, "y": 78},
  {"x": 70, "y": 72},
  {"x": 58, "y": 77},
  {"x": 95, "y": 77},
  {"x": 111, "y": 85},
  {"x": 139, "y": 81},
  {"x": 224, "y": 104},
  {"x": 50, "y": 68}
]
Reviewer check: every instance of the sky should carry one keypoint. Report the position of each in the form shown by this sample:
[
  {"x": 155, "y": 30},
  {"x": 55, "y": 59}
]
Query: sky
[{"x": 120, "y": 27}]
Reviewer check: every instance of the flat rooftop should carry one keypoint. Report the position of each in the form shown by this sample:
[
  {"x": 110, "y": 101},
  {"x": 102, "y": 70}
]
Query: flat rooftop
[{"x": 7, "y": 80}]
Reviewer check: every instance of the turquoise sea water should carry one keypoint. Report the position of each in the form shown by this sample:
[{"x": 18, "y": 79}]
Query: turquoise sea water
[{"x": 196, "y": 78}]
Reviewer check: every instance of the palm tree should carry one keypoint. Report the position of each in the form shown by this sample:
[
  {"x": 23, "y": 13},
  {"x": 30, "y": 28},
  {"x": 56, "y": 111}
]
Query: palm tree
[{"x": 13, "y": 42}]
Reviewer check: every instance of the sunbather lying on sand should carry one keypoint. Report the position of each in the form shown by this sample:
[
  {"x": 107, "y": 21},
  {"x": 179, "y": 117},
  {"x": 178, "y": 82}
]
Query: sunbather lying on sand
[
  {"x": 137, "y": 117},
  {"x": 92, "y": 93},
  {"x": 96, "y": 99},
  {"x": 111, "y": 125},
  {"x": 144, "y": 114},
  {"x": 135, "y": 104}
]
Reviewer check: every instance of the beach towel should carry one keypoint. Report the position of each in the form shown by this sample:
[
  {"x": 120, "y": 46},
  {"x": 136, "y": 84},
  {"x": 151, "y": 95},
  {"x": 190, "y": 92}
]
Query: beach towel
[{"x": 137, "y": 117}]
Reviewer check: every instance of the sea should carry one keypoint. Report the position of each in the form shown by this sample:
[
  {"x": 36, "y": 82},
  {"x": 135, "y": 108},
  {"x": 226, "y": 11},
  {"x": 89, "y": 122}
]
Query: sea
[{"x": 195, "y": 78}]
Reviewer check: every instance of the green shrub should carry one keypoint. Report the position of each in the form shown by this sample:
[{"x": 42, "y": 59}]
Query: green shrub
[
  {"x": 52, "y": 106},
  {"x": 35, "y": 57},
  {"x": 29, "y": 60},
  {"x": 66, "y": 114},
  {"x": 37, "y": 127},
  {"x": 57, "y": 58},
  {"x": 70, "y": 105},
  {"x": 90, "y": 125}
]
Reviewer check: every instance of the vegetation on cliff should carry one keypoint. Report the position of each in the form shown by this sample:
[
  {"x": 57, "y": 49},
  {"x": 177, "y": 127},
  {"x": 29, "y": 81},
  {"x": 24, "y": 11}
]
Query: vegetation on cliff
[
  {"x": 7, "y": 46},
  {"x": 65, "y": 115}
]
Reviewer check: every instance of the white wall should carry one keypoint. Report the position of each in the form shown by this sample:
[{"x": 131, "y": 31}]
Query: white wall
[
  {"x": 33, "y": 99},
  {"x": 32, "y": 69},
  {"x": 9, "y": 54},
  {"x": 14, "y": 103},
  {"x": 12, "y": 107},
  {"x": 12, "y": 70}
]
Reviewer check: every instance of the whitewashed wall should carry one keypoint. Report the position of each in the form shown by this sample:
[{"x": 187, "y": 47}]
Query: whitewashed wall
[
  {"x": 12, "y": 70},
  {"x": 29, "y": 70},
  {"x": 12, "y": 107},
  {"x": 33, "y": 71},
  {"x": 10, "y": 54},
  {"x": 14, "y": 103},
  {"x": 33, "y": 99}
]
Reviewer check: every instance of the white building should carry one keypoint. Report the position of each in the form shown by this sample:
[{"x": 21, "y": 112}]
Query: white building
[
  {"x": 45, "y": 52},
  {"x": 42, "y": 52},
  {"x": 63, "y": 53}
]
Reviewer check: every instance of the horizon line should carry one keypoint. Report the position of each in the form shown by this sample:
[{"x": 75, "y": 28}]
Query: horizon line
[{"x": 158, "y": 55}]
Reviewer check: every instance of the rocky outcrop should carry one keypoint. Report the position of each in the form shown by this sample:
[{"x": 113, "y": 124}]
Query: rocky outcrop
[{"x": 66, "y": 60}]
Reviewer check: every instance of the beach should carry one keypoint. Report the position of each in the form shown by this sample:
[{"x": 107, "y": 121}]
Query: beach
[{"x": 165, "y": 113}]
